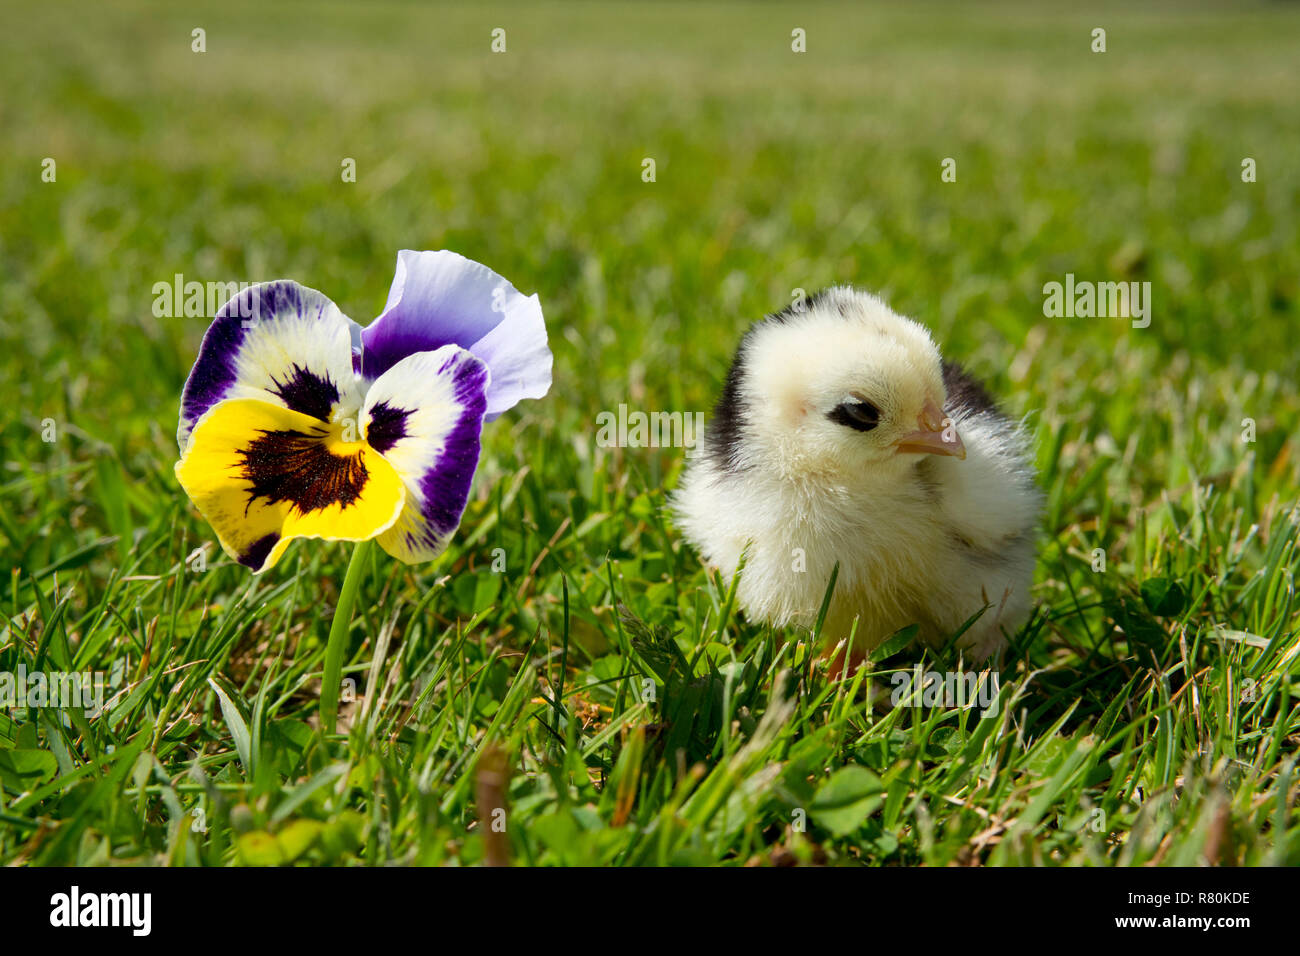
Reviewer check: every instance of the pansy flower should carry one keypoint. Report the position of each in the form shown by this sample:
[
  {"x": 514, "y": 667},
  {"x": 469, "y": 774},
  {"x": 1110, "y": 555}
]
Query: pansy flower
[{"x": 298, "y": 423}]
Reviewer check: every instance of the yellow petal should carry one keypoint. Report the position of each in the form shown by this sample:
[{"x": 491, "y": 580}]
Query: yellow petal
[{"x": 262, "y": 475}]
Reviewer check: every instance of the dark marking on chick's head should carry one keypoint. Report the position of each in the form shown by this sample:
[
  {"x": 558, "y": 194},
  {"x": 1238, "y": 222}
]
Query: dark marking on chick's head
[
  {"x": 965, "y": 392},
  {"x": 724, "y": 435}
]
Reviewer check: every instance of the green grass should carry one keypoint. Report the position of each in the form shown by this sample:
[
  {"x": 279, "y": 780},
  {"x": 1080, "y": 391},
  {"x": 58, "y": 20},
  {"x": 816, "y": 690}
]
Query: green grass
[{"x": 1148, "y": 713}]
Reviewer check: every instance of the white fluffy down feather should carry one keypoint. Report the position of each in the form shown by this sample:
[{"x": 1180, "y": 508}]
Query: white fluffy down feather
[{"x": 842, "y": 436}]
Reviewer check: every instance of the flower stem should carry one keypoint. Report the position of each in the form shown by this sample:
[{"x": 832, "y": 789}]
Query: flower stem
[{"x": 331, "y": 681}]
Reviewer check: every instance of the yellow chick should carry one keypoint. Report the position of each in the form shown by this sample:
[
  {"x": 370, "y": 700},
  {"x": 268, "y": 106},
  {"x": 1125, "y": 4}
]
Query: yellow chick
[{"x": 841, "y": 436}]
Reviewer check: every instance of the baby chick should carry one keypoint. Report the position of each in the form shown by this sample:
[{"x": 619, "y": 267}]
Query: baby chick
[{"x": 842, "y": 436}]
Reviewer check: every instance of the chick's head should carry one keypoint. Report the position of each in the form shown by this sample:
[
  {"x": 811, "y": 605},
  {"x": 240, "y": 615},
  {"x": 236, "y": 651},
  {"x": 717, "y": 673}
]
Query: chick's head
[{"x": 842, "y": 389}]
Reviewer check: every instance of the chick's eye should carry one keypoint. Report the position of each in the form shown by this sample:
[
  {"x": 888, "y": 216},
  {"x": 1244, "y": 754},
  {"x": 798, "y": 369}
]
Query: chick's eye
[{"x": 856, "y": 414}]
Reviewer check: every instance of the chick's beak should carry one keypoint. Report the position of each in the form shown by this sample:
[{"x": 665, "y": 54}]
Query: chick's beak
[{"x": 931, "y": 437}]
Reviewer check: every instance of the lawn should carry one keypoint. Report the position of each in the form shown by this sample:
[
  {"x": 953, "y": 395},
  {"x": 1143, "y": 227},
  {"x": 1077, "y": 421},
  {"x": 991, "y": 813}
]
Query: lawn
[{"x": 567, "y": 684}]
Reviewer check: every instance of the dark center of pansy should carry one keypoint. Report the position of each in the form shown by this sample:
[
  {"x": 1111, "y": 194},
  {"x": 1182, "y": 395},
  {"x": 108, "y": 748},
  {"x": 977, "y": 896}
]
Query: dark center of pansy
[
  {"x": 307, "y": 392},
  {"x": 303, "y": 469}
]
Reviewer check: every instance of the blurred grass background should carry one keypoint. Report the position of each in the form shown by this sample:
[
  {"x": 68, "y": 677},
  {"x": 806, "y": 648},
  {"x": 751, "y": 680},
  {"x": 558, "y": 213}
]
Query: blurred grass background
[{"x": 775, "y": 171}]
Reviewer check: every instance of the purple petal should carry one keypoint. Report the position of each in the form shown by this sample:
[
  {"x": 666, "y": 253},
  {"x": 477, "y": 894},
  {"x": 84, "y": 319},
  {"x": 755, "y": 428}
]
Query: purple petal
[
  {"x": 424, "y": 415},
  {"x": 518, "y": 357},
  {"x": 441, "y": 298}
]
